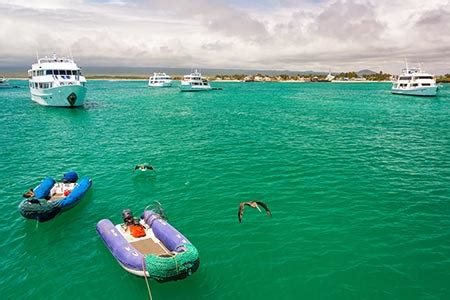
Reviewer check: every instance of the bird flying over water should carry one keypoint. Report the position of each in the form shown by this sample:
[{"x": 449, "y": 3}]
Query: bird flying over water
[
  {"x": 253, "y": 204},
  {"x": 143, "y": 167}
]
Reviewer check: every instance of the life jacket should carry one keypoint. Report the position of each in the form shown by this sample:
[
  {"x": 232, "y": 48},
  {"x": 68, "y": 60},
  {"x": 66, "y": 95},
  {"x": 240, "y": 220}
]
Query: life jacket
[{"x": 137, "y": 231}]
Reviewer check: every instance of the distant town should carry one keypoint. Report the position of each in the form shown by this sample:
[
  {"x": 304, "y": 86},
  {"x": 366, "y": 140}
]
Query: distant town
[{"x": 235, "y": 75}]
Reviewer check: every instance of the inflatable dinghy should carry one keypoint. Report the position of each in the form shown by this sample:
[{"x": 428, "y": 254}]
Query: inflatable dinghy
[
  {"x": 150, "y": 247},
  {"x": 50, "y": 198}
]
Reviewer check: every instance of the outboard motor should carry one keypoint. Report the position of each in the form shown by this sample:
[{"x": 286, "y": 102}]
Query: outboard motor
[
  {"x": 127, "y": 216},
  {"x": 70, "y": 177}
]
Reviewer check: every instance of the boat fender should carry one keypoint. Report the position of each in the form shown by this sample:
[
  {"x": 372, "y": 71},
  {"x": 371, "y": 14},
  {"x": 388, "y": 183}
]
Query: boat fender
[{"x": 67, "y": 192}]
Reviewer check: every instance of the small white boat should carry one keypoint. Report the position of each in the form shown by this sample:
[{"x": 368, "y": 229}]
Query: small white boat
[
  {"x": 415, "y": 82},
  {"x": 4, "y": 84},
  {"x": 194, "y": 82},
  {"x": 160, "y": 80},
  {"x": 57, "y": 82},
  {"x": 329, "y": 77}
]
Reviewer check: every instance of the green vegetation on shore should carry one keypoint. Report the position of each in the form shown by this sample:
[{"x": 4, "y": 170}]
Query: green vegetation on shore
[
  {"x": 304, "y": 77},
  {"x": 443, "y": 78}
]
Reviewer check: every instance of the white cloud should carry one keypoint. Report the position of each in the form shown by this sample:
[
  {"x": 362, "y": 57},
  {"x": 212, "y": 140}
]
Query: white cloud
[{"x": 295, "y": 35}]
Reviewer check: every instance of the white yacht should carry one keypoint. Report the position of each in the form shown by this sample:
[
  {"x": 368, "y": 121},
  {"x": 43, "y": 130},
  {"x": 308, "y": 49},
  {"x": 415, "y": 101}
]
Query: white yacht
[
  {"x": 57, "y": 82},
  {"x": 415, "y": 82},
  {"x": 4, "y": 83},
  {"x": 329, "y": 77},
  {"x": 160, "y": 80},
  {"x": 194, "y": 82}
]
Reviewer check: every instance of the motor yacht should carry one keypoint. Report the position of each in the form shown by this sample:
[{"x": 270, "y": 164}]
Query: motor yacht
[{"x": 57, "y": 81}]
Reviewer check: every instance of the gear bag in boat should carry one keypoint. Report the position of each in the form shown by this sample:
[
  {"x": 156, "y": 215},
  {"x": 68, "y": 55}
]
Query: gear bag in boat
[{"x": 137, "y": 231}]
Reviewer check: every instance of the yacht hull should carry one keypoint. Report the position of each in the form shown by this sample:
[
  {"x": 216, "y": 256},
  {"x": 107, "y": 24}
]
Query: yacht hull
[
  {"x": 62, "y": 96},
  {"x": 189, "y": 88},
  {"x": 162, "y": 84},
  {"x": 422, "y": 91}
]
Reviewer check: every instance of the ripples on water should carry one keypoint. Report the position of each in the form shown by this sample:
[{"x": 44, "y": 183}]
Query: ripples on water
[{"x": 356, "y": 178}]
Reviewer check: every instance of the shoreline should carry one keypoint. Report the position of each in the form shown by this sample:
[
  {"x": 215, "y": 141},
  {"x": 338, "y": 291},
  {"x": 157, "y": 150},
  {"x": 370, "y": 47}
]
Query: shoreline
[{"x": 132, "y": 78}]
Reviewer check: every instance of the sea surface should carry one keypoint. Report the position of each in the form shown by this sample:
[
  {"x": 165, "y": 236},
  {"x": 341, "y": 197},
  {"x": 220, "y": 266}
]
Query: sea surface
[{"x": 357, "y": 179}]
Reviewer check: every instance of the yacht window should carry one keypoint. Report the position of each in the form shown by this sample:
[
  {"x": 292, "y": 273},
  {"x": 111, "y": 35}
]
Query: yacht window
[
  {"x": 425, "y": 84},
  {"x": 56, "y": 72},
  {"x": 62, "y": 72},
  {"x": 424, "y": 77},
  {"x": 405, "y": 78},
  {"x": 414, "y": 84},
  {"x": 48, "y": 72}
]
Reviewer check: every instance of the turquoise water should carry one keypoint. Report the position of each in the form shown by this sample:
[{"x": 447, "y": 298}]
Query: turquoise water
[{"x": 357, "y": 180}]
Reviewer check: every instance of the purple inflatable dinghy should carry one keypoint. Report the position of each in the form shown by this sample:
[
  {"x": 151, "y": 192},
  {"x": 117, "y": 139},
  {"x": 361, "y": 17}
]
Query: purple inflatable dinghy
[{"x": 161, "y": 253}]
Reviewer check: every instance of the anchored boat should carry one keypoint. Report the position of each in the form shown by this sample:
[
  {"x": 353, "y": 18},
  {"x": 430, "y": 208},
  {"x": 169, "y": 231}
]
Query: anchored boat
[
  {"x": 159, "y": 80},
  {"x": 57, "y": 82},
  {"x": 4, "y": 84},
  {"x": 195, "y": 82},
  {"x": 50, "y": 198},
  {"x": 415, "y": 82},
  {"x": 150, "y": 246}
]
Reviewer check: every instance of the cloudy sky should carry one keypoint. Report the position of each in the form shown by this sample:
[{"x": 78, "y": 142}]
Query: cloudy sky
[{"x": 257, "y": 34}]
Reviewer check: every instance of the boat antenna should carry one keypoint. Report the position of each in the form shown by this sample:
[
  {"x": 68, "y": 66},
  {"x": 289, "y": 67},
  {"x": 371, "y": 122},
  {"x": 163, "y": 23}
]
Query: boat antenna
[
  {"x": 37, "y": 55},
  {"x": 406, "y": 63},
  {"x": 70, "y": 51}
]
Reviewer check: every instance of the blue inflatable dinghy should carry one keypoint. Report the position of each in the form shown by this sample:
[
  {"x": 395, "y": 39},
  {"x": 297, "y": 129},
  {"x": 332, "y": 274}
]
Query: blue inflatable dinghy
[{"x": 50, "y": 197}]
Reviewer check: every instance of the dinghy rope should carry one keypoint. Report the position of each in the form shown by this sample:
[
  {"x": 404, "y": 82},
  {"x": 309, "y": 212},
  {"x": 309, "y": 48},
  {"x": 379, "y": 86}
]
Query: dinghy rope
[{"x": 146, "y": 280}]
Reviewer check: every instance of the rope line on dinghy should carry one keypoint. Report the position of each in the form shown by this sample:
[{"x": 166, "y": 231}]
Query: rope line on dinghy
[{"x": 146, "y": 280}]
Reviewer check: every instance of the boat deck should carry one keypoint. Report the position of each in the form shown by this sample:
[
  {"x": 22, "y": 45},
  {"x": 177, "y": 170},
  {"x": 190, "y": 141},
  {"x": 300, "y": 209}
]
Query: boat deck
[{"x": 149, "y": 246}]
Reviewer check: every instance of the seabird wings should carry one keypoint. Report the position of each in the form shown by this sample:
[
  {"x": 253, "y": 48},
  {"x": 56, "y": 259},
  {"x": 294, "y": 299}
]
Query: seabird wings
[{"x": 264, "y": 205}]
